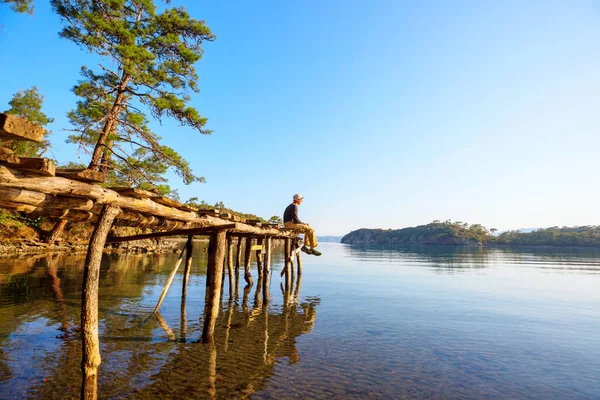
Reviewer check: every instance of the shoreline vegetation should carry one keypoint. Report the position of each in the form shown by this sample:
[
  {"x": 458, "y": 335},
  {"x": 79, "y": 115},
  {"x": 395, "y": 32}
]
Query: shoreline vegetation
[{"x": 462, "y": 233}]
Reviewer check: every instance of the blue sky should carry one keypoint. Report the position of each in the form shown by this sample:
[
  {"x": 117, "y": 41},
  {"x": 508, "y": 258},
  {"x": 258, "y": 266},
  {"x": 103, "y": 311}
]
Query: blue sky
[{"x": 384, "y": 114}]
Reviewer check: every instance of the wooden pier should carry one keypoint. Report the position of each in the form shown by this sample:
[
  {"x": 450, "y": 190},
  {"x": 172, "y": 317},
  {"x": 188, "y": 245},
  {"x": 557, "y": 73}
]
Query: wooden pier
[{"x": 36, "y": 187}]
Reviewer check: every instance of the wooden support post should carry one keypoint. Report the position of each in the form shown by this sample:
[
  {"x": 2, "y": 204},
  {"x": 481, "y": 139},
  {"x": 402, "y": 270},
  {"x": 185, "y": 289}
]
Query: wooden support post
[
  {"x": 171, "y": 277},
  {"x": 189, "y": 249},
  {"x": 216, "y": 254},
  {"x": 267, "y": 270},
  {"x": 287, "y": 254},
  {"x": 238, "y": 258},
  {"x": 299, "y": 261},
  {"x": 57, "y": 230},
  {"x": 247, "y": 259},
  {"x": 90, "y": 359},
  {"x": 259, "y": 258},
  {"x": 230, "y": 263}
]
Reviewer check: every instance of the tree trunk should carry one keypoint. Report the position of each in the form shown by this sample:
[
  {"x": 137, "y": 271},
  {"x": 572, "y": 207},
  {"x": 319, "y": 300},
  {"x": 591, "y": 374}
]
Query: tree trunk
[
  {"x": 110, "y": 125},
  {"x": 89, "y": 303}
]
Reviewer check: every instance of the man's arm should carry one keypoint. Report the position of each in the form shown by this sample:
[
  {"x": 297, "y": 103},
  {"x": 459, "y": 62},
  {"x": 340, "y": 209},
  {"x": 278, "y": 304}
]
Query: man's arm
[{"x": 295, "y": 218}]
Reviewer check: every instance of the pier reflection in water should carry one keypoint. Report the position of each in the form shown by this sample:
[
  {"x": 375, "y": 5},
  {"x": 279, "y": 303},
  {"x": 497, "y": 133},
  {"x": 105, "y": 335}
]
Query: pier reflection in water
[{"x": 40, "y": 347}]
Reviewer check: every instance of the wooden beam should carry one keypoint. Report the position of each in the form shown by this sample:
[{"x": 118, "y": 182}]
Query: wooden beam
[
  {"x": 165, "y": 201},
  {"x": 133, "y": 192},
  {"x": 17, "y": 128},
  {"x": 193, "y": 231},
  {"x": 83, "y": 175},
  {"x": 8, "y": 156},
  {"x": 257, "y": 247},
  {"x": 42, "y": 166}
]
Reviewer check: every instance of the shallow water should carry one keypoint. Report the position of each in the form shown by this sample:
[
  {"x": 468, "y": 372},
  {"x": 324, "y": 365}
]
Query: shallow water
[{"x": 410, "y": 322}]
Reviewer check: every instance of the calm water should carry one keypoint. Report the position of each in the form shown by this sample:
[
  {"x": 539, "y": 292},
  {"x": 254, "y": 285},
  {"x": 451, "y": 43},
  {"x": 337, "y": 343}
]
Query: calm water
[{"x": 421, "y": 322}]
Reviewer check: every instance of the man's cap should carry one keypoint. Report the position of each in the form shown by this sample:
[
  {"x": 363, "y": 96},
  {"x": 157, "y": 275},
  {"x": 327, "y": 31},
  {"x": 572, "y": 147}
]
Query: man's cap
[{"x": 298, "y": 196}]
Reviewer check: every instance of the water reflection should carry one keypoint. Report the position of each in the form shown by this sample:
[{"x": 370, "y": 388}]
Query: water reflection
[
  {"x": 40, "y": 347},
  {"x": 453, "y": 259}
]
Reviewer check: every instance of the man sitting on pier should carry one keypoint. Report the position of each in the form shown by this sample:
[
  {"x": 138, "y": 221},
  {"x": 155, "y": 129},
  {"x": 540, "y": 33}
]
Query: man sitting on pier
[{"x": 291, "y": 220}]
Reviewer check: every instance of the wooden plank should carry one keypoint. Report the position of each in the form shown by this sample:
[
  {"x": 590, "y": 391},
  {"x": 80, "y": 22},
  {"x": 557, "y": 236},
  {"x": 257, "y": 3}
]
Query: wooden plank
[
  {"x": 83, "y": 175},
  {"x": 7, "y": 155},
  {"x": 176, "y": 232},
  {"x": 133, "y": 192},
  {"x": 208, "y": 211},
  {"x": 42, "y": 166},
  {"x": 258, "y": 247},
  {"x": 165, "y": 201},
  {"x": 17, "y": 128},
  {"x": 267, "y": 225}
]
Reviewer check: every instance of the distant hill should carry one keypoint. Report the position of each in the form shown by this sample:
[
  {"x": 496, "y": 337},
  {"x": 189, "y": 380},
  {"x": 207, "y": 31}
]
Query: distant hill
[
  {"x": 456, "y": 233},
  {"x": 444, "y": 233},
  {"x": 331, "y": 239}
]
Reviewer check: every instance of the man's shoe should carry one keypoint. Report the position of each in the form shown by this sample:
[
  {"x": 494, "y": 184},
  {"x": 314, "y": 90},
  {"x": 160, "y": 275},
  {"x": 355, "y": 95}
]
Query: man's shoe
[
  {"x": 315, "y": 252},
  {"x": 306, "y": 250}
]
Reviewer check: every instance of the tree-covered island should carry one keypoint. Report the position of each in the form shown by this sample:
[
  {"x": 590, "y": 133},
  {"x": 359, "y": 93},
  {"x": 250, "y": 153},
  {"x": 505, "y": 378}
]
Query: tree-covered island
[{"x": 460, "y": 233}]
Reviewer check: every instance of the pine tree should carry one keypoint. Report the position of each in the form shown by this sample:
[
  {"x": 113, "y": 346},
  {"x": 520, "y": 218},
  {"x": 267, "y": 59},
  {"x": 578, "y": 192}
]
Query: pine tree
[
  {"x": 28, "y": 104},
  {"x": 20, "y": 6},
  {"x": 150, "y": 71}
]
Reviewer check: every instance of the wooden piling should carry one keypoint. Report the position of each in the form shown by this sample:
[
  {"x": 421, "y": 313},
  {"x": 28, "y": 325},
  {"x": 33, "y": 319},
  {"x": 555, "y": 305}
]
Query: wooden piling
[
  {"x": 259, "y": 258},
  {"x": 90, "y": 360},
  {"x": 247, "y": 259},
  {"x": 267, "y": 271},
  {"x": 57, "y": 230},
  {"x": 299, "y": 262},
  {"x": 238, "y": 258},
  {"x": 216, "y": 254},
  {"x": 172, "y": 276},
  {"x": 287, "y": 255},
  {"x": 230, "y": 263},
  {"x": 189, "y": 248}
]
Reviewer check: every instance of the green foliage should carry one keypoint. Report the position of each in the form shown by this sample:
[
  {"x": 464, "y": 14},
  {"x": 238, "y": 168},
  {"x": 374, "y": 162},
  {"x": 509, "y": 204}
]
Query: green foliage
[
  {"x": 555, "y": 236},
  {"x": 202, "y": 205},
  {"x": 449, "y": 232},
  {"x": 150, "y": 71},
  {"x": 20, "y": 6},
  {"x": 28, "y": 104},
  {"x": 11, "y": 219},
  {"x": 275, "y": 219}
]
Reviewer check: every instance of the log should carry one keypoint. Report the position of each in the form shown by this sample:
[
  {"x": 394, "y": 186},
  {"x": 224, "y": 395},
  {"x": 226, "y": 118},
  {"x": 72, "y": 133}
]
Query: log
[
  {"x": 194, "y": 231},
  {"x": 89, "y": 303},
  {"x": 11, "y": 205},
  {"x": 17, "y": 128},
  {"x": 133, "y": 192},
  {"x": 43, "y": 201},
  {"x": 83, "y": 175},
  {"x": 57, "y": 230},
  {"x": 10, "y": 178},
  {"x": 247, "y": 258},
  {"x": 172, "y": 203},
  {"x": 216, "y": 255}
]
